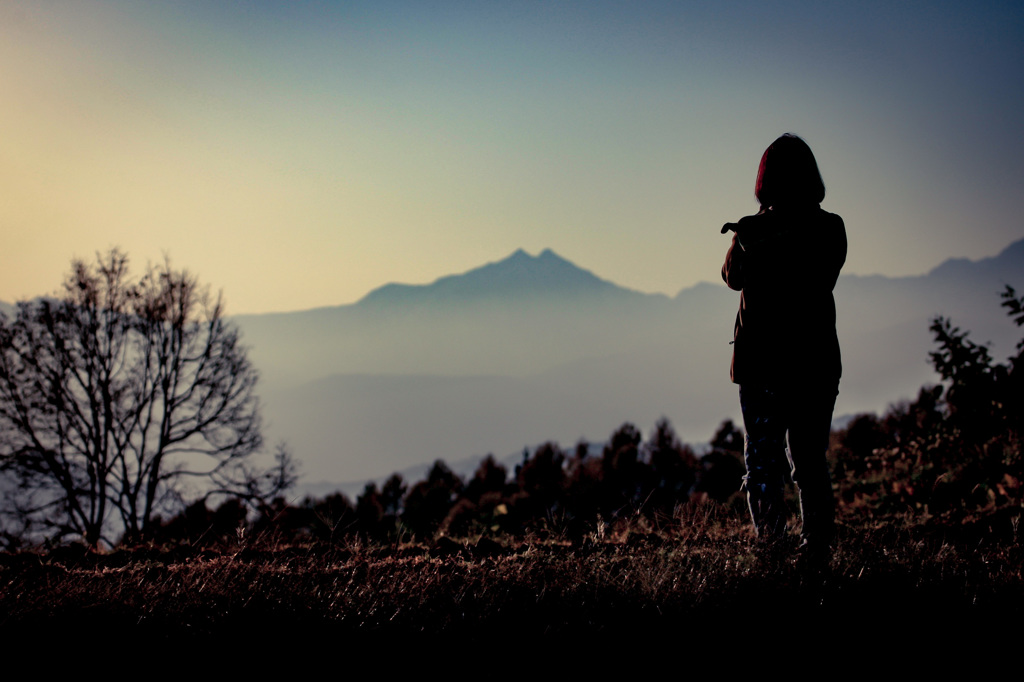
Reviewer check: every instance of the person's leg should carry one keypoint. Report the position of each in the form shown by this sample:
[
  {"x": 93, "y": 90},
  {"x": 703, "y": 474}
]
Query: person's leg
[
  {"x": 765, "y": 457},
  {"x": 809, "y": 427}
]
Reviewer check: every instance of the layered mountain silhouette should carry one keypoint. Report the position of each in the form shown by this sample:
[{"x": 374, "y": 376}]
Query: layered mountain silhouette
[
  {"x": 517, "y": 279},
  {"x": 513, "y": 317},
  {"x": 534, "y": 348}
]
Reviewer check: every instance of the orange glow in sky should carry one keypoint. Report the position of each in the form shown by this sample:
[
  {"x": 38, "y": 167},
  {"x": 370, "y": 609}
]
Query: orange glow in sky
[{"x": 300, "y": 156}]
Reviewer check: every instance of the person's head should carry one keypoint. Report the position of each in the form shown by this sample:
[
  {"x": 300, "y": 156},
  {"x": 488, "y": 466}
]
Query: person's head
[{"x": 788, "y": 175}]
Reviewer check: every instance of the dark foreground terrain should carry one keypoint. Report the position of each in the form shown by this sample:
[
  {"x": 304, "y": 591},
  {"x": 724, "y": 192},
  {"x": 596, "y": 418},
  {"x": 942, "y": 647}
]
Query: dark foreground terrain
[
  {"x": 641, "y": 550},
  {"x": 701, "y": 579}
]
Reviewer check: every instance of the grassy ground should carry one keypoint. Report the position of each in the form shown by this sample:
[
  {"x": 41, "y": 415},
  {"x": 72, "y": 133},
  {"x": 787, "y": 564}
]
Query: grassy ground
[{"x": 702, "y": 576}]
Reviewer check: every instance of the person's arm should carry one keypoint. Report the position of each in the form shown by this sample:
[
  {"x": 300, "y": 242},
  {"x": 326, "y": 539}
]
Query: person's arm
[
  {"x": 829, "y": 262},
  {"x": 754, "y": 234},
  {"x": 733, "y": 269},
  {"x": 842, "y": 247}
]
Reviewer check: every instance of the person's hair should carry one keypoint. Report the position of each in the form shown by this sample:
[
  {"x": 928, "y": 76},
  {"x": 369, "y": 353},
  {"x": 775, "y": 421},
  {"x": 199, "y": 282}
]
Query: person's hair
[{"x": 788, "y": 174}]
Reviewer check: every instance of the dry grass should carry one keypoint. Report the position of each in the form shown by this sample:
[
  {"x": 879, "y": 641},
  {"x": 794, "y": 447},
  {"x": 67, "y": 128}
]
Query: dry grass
[{"x": 702, "y": 573}]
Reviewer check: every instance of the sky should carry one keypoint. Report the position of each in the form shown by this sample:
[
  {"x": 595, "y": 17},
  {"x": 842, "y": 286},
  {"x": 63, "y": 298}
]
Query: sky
[{"x": 300, "y": 154}]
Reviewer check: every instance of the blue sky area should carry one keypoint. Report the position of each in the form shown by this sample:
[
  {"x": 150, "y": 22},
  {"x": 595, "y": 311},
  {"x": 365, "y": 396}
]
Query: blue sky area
[{"x": 300, "y": 154}]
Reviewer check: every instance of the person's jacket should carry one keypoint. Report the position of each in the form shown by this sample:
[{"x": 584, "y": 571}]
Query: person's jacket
[{"x": 785, "y": 263}]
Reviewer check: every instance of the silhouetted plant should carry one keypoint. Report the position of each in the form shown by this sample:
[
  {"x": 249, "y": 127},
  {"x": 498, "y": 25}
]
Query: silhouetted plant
[
  {"x": 722, "y": 468},
  {"x": 332, "y": 517},
  {"x": 673, "y": 468},
  {"x": 116, "y": 394},
  {"x": 974, "y": 384},
  {"x": 197, "y": 525},
  {"x": 391, "y": 495},
  {"x": 1015, "y": 381},
  {"x": 370, "y": 513},
  {"x": 429, "y": 501},
  {"x": 952, "y": 455},
  {"x": 584, "y": 479},
  {"x": 542, "y": 479},
  {"x": 728, "y": 438},
  {"x": 278, "y": 521},
  {"x": 489, "y": 477},
  {"x": 462, "y": 519},
  {"x": 623, "y": 473}
]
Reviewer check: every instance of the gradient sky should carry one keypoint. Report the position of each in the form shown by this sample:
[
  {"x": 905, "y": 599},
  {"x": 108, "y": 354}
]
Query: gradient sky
[{"x": 300, "y": 154}]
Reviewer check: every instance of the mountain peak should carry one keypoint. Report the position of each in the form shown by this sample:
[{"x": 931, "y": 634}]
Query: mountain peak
[
  {"x": 521, "y": 255},
  {"x": 1006, "y": 265},
  {"x": 517, "y": 276}
]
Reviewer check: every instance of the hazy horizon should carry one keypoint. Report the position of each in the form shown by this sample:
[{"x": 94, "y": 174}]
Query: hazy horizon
[
  {"x": 583, "y": 266},
  {"x": 299, "y": 156}
]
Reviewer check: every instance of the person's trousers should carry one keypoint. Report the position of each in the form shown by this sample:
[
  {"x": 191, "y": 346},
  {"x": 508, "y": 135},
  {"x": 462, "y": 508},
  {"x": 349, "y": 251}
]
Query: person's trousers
[{"x": 799, "y": 415}]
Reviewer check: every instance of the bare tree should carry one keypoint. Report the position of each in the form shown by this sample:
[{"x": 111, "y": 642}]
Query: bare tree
[{"x": 123, "y": 396}]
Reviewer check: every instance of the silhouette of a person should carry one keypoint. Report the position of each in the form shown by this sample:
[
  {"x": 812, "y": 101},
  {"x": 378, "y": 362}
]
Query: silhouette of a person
[{"x": 785, "y": 261}]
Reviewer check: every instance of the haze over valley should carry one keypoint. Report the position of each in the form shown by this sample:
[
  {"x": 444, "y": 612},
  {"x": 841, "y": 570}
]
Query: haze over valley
[{"x": 535, "y": 348}]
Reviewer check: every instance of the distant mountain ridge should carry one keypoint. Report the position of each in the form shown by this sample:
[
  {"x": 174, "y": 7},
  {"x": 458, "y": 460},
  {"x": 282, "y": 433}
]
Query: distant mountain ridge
[
  {"x": 535, "y": 348},
  {"x": 1007, "y": 264},
  {"x": 493, "y": 314}
]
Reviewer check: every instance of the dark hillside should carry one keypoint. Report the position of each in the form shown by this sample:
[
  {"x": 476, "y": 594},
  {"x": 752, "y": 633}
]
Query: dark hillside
[{"x": 700, "y": 583}]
